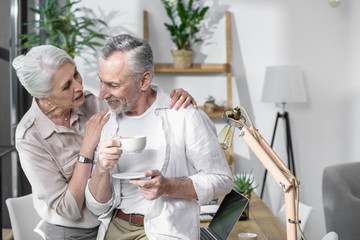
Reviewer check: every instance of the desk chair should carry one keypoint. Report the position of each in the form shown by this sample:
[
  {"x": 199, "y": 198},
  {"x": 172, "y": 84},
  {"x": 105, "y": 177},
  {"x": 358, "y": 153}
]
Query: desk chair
[
  {"x": 341, "y": 199},
  {"x": 304, "y": 213},
  {"x": 23, "y": 218}
]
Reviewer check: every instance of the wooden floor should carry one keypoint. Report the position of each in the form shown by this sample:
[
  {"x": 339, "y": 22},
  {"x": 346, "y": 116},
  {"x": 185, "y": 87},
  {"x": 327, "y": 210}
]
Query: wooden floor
[{"x": 7, "y": 234}]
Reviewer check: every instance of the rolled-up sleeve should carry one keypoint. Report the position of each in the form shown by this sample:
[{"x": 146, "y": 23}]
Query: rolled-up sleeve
[
  {"x": 208, "y": 186},
  {"x": 94, "y": 206}
]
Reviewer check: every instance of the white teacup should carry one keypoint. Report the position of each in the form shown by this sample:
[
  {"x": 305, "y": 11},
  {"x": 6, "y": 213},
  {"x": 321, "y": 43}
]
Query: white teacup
[
  {"x": 247, "y": 236},
  {"x": 133, "y": 144}
]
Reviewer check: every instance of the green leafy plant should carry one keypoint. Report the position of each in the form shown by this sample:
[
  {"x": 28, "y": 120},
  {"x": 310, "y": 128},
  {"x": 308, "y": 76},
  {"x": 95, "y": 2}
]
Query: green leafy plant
[
  {"x": 185, "y": 21},
  {"x": 62, "y": 27},
  {"x": 243, "y": 183}
]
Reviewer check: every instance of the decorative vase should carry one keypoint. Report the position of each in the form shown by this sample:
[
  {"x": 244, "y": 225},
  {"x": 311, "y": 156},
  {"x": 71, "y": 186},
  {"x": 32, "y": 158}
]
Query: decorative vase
[
  {"x": 182, "y": 58},
  {"x": 210, "y": 107},
  {"x": 246, "y": 213}
]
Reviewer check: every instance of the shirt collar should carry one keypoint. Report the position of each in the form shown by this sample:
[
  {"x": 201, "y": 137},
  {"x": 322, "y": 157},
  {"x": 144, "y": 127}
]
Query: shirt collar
[
  {"x": 45, "y": 126},
  {"x": 162, "y": 98}
]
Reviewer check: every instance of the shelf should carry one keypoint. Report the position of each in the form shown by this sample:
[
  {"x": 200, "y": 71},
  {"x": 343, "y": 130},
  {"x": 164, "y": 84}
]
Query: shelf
[
  {"x": 217, "y": 113},
  {"x": 195, "y": 68}
]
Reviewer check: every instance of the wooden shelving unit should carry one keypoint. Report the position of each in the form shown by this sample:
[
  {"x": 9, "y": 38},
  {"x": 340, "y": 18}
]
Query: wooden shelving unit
[
  {"x": 201, "y": 68},
  {"x": 195, "y": 68}
]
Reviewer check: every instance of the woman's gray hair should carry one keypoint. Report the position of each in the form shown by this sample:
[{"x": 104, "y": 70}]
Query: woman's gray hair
[
  {"x": 36, "y": 69},
  {"x": 138, "y": 51}
]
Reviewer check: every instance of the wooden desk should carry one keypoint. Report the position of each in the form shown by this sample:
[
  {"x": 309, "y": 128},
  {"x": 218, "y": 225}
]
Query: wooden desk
[
  {"x": 7, "y": 234},
  {"x": 262, "y": 222}
]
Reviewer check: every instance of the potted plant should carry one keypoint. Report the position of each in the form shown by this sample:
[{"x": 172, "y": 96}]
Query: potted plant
[
  {"x": 63, "y": 27},
  {"x": 209, "y": 105},
  {"x": 184, "y": 28},
  {"x": 243, "y": 183}
]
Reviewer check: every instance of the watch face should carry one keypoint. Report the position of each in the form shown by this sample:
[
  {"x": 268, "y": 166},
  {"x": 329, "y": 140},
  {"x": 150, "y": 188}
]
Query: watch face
[{"x": 83, "y": 159}]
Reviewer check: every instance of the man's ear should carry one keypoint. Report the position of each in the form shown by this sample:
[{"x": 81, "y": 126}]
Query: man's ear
[{"x": 146, "y": 80}]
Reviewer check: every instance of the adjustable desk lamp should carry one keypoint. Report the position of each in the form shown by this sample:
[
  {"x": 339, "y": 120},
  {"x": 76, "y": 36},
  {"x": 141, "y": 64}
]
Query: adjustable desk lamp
[
  {"x": 269, "y": 160},
  {"x": 283, "y": 84}
]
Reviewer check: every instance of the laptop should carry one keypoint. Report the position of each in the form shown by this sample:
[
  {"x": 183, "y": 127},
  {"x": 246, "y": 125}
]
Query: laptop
[{"x": 225, "y": 218}]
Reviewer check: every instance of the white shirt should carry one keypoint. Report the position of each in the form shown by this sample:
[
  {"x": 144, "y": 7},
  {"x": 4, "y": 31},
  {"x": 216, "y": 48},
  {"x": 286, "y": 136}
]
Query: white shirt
[
  {"x": 191, "y": 150},
  {"x": 150, "y": 158}
]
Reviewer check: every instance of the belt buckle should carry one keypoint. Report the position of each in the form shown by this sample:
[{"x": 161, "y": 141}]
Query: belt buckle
[{"x": 130, "y": 220}]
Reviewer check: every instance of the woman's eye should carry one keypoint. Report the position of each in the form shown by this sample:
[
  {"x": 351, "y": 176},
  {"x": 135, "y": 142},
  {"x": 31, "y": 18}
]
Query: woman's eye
[{"x": 66, "y": 86}]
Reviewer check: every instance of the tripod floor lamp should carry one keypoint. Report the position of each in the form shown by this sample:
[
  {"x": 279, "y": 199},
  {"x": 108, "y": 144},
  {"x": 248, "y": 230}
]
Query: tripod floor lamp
[{"x": 283, "y": 84}]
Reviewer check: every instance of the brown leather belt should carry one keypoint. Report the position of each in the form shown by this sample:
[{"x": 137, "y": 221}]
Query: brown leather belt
[{"x": 133, "y": 219}]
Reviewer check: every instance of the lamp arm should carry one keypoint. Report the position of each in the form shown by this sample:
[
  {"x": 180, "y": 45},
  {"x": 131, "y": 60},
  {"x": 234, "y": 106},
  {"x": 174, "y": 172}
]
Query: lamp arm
[
  {"x": 278, "y": 170},
  {"x": 273, "y": 164},
  {"x": 267, "y": 161},
  {"x": 275, "y": 158}
]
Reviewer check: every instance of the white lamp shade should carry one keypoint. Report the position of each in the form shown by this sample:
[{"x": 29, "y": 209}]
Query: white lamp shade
[{"x": 284, "y": 84}]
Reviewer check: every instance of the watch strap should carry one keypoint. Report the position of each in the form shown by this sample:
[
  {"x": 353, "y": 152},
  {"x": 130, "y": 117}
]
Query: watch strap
[{"x": 83, "y": 159}]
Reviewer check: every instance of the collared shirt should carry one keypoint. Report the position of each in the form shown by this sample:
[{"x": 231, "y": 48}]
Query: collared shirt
[
  {"x": 48, "y": 154},
  {"x": 191, "y": 150}
]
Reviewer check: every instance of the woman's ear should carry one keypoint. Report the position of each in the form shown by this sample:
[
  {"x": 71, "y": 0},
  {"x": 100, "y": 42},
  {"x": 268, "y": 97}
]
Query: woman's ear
[{"x": 146, "y": 80}]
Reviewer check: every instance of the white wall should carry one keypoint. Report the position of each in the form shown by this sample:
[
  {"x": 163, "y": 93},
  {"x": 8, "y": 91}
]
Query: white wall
[{"x": 322, "y": 40}]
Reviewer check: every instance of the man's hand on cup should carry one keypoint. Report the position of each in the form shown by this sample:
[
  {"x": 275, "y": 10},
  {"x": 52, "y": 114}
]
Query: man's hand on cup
[
  {"x": 109, "y": 154},
  {"x": 152, "y": 188}
]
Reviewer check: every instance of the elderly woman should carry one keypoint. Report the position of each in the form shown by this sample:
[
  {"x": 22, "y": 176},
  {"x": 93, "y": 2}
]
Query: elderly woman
[{"x": 56, "y": 140}]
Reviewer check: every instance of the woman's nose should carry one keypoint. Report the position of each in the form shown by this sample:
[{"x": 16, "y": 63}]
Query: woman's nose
[{"x": 78, "y": 86}]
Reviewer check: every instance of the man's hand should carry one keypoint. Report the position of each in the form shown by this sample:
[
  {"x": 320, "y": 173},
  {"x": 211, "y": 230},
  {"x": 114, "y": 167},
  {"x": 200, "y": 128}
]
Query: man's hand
[
  {"x": 180, "y": 97},
  {"x": 109, "y": 154},
  {"x": 159, "y": 186},
  {"x": 153, "y": 188}
]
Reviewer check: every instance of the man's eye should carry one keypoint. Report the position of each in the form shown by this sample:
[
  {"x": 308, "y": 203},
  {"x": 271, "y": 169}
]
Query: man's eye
[{"x": 111, "y": 85}]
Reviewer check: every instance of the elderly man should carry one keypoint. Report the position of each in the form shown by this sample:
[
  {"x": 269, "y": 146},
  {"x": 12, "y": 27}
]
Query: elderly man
[{"x": 183, "y": 163}]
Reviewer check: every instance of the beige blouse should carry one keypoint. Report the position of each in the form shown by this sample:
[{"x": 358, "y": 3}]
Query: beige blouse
[{"x": 48, "y": 154}]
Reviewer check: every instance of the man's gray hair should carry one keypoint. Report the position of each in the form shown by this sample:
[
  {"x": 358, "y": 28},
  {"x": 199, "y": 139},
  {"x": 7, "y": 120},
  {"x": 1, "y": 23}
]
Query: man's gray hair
[
  {"x": 36, "y": 69},
  {"x": 137, "y": 50}
]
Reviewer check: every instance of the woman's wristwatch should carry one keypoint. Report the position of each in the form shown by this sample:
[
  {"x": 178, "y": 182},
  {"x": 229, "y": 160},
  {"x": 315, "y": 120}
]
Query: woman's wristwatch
[{"x": 83, "y": 159}]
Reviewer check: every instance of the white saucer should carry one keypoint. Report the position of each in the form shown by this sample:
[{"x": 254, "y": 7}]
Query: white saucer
[{"x": 128, "y": 175}]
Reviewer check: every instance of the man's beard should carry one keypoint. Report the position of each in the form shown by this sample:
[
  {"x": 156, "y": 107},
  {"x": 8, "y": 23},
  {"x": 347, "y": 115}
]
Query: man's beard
[
  {"x": 121, "y": 108},
  {"x": 126, "y": 105}
]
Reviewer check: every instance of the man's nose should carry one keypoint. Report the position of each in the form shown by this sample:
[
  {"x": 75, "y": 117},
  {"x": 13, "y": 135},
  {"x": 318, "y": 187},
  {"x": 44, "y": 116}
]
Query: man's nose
[{"x": 103, "y": 92}]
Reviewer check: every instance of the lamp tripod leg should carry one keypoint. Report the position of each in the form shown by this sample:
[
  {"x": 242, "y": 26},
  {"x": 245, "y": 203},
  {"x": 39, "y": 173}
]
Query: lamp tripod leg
[
  {"x": 290, "y": 153},
  {"x": 271, "y": 145}
]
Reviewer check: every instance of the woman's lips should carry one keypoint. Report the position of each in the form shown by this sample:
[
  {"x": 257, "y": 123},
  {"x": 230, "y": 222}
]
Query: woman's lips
[{"x": 79, "y": 97}]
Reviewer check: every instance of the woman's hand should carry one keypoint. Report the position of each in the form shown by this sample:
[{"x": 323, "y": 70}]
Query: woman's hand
[
  {"x": 92, "y": 133},
  {"x": 180, "y": 97}
]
